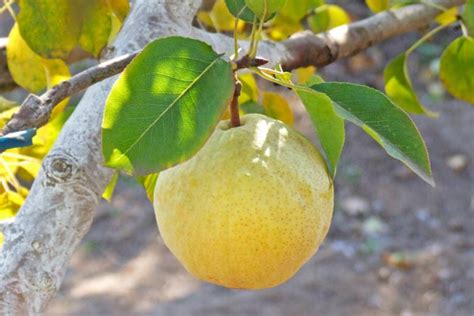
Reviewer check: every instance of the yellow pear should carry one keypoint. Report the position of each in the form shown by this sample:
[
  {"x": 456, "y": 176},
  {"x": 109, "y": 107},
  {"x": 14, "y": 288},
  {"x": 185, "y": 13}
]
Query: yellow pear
[{"x": 250, "y": 208}]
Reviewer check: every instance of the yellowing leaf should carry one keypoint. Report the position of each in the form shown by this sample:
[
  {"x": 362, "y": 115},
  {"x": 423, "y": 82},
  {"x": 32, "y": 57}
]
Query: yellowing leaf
[
  {"x": 457, "y": 68},
  {"x": 378, "y": 5},
  {"x": 50, "y": 27},
  {"x": 249, "y": 90},
  {"x": 303, "y": 74},
  {"x": 24, "y": 65},
  {"x": 277, "y": 107},
  {"x": 30, "y": 70},
  {"x": 218, "y": 18},
  {"x": 448, "y": 17},
  {"x": 328, "y": 17},
  {"x": 120, "y": 8},
  {"x": 109, "y": 190},
  {"x": 282, "y": 27},
  {"x": 96, "y": 26}
]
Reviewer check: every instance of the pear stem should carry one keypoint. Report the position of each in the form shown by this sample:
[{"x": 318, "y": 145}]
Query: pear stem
[{"x": 234, "y": 105}]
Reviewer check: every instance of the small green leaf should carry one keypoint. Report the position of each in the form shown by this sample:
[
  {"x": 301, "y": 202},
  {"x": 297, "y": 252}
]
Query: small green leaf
[
  {"x": 265, "y": 7},
  {"x": 252, "y": 107},
  {"x": 392, "y": 127},
  {"x": 109, "y": 190},
  {"x": 399, "y": 88},
  {"x": 165, "y": 105},
  {"x": 239, "y": 9},
  {"x": 149, "y": 183},
  {"x": 96, "y": 26},
  {"x": 328, "y": 125},
  {"x": 468, "y": 17},
  {"x": 50, "y": 27},
  {"x": 457, "y": 68}
]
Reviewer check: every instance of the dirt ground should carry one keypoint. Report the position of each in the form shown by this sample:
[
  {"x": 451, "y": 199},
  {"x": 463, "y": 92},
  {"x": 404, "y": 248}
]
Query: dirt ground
[{"x": 397, "y": 246}]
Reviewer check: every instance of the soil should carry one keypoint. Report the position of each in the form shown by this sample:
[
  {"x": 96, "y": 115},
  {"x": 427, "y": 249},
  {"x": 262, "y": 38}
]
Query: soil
[{"x": 397, "y": 246}]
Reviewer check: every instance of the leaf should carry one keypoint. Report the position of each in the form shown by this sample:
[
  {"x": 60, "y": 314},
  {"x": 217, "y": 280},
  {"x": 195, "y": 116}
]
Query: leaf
[
  {"x": 6, "y": 104},
  {"x": 50, "y": 27},
  {"x": 468, "y": 17},
  {"x": 328, "y": 17},
  {"x": 447, "y": 17},
  {"x": 328, "y": 125},
  {"x": 30, "y": 70},
  {"x": 109, "y": 190},
  {"x": 120, "y": 8},
  {"x": 149, "y": 183},
  {"x": 165, "y": 105},
  {"x": 303, "y": 74},
  {"x": 239, "y": 9},
  {"x": 390, "y": 126},
  {"x": 277, "y": 107},
  {"x": 218, "y": 18},
  {"x": 249, "y": 90},
  {"x": 24, "y": 65},
  {"x": 252, "y": 107},
  {"x": 96, "y": 26},
  {"x": 399, "y": 88},
  {"x": 457, "y": 68},
  {"x": 377, "y": 6},
  {"x": 264, "y": 8}
]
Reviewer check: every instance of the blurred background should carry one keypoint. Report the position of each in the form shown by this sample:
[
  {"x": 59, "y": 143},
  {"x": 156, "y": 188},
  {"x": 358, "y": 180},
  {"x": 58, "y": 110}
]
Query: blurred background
[{"x": 396, "y": 246}]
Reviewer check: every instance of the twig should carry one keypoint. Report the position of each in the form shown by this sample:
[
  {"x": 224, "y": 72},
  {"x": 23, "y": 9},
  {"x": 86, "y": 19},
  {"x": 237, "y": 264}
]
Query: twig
[{"x": 36, "y": 110}]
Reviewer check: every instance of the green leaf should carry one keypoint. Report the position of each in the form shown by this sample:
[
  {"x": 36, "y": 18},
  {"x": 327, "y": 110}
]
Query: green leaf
[
  {"x": 265, "y": 7},
  {"x": 252, "y": 107},
  {"x": 390, "y": 126},
  {"x": 96, "y": 26},
  {"x": 328, "y": 125},
  {"x": 109, "y": 190},
  {"x": 50, "y": 27},
  {"x": 399, "y": 88},
  {"x": 165, "y": 105},
  {"x": 239, "y": 9},
  {"x": 468, "y": 17},
  {"x": 149, "y": 183},
  {"x": 457, "y": 68}
]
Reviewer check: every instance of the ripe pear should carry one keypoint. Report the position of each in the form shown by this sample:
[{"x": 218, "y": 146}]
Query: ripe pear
[{"x": 250, "y": 208}]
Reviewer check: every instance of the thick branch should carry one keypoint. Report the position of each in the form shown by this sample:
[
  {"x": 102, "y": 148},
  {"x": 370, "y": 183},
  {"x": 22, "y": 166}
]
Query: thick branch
[
  {"x": 303, "y": 49},
  {"x": 306, "y": 48}
]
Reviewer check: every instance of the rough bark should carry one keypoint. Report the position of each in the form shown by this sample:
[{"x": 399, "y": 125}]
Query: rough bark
[{"x": 60, "y": 207}]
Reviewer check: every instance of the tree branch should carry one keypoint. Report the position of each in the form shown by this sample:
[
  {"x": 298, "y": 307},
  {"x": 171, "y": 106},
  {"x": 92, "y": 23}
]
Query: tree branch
[
  {"x": 303, "y": 49},
  {"x": 35, "y": 111}
]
